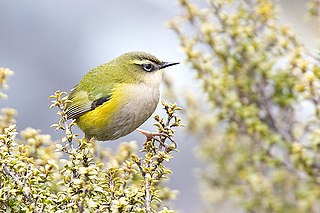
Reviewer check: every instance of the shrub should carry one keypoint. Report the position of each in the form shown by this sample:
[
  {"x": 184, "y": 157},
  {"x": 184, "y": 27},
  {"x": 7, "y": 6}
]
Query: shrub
[
  {"x": 76, "y": 175},
  {"x": 258, "y": 154}
]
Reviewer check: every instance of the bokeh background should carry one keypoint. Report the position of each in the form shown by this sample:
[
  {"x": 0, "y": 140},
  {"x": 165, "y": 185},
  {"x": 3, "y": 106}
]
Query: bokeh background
[{"x": 52, "y": 44}]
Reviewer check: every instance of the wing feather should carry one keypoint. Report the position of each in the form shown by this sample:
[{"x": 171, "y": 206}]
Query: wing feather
[
  {"x": 81, "y": 103},
  {"x": 93, "y": 90}
]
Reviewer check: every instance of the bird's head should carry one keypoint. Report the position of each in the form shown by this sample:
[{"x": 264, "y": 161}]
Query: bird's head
[{"x": 141, "y": 67}]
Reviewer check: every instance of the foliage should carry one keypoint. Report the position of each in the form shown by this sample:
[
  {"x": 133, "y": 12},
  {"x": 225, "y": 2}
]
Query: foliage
[
  {"x": 259, "y": 133},
  {"x": 314, "y": 8},
  {"x": 75, "y": 175}
]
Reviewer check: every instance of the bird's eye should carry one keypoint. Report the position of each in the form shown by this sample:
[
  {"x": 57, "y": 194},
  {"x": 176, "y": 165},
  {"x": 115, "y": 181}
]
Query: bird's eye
[{"x": 148, "y": 67}]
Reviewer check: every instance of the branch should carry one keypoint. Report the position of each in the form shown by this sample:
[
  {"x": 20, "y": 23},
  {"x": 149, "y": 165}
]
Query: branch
[
  {"x": 147, "y": 193},
  {"x": 14, "y": 176}
]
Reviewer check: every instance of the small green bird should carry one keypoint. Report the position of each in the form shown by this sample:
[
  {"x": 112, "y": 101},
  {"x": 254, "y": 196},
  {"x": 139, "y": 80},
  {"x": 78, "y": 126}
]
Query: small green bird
[{"x": 115, "y": 98}]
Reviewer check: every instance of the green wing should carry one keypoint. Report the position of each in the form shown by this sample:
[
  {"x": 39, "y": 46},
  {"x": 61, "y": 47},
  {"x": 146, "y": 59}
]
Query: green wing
[
  {"x": 81, "y": 103},
  {"x": 92, "y": 91}
]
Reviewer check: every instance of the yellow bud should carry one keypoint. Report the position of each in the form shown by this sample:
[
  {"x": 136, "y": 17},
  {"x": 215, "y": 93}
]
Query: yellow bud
[
  {"x": 310, "y": 77},
  {"x": 296, "y": 148}
]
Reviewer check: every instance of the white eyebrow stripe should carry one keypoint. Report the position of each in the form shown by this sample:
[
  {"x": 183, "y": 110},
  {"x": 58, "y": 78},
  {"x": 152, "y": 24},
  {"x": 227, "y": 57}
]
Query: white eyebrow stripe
[{"x": 140, "y": 62}]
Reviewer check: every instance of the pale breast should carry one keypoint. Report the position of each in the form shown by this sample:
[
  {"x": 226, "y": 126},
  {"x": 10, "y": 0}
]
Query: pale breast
[{"x": 142, "y": 101}]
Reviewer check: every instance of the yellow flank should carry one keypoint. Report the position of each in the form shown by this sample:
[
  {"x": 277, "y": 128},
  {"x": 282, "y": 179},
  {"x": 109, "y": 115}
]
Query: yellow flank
[{"x": 97, "y": 119}]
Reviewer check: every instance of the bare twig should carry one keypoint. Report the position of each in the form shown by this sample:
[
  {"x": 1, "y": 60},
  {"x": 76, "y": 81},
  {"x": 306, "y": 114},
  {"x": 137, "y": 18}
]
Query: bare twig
[
  {"x": 18, "y": 182},
  {"x": 147, "y": 194}
]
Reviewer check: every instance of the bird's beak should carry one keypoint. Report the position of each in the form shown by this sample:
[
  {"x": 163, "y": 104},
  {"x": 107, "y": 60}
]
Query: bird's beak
[{"x": 168, "y": 64}]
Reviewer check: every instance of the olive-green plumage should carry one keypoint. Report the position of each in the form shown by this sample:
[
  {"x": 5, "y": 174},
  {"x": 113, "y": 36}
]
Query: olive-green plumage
[{"x": 115, "y": 98}]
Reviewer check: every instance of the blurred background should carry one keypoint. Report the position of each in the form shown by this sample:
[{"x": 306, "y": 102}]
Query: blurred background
[{"x": 52, "y": 44}]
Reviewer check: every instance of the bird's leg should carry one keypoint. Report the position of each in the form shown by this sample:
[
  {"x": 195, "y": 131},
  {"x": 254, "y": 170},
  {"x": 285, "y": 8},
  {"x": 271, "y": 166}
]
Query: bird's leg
[{"x": 148, "y": 134}]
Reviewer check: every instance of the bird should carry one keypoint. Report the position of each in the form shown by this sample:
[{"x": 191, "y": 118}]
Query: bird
[{"x": 115, "y": 98}]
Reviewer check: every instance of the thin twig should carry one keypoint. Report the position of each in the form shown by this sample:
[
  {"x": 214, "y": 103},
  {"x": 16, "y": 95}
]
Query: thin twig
[
  {"x": 147, "y": 193},
  {"x": 18, "y": 182}
]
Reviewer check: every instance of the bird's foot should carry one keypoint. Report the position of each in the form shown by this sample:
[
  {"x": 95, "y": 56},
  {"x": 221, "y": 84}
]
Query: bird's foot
[{"x": 148, "y": 134}]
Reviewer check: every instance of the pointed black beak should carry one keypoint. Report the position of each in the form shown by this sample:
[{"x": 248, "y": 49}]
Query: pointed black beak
[{"x": 168, "y": 64}]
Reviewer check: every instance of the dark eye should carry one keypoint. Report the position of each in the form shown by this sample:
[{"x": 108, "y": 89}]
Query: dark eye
[{"x": 148, "y": 67}]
